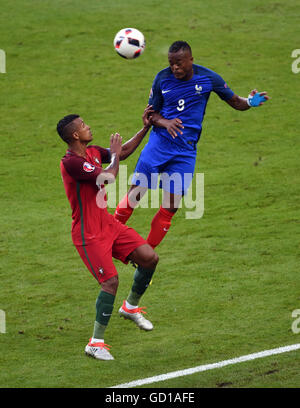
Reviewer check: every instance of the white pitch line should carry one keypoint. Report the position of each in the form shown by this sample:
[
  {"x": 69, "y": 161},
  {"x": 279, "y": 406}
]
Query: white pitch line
[{"x": 189, "y": 371}]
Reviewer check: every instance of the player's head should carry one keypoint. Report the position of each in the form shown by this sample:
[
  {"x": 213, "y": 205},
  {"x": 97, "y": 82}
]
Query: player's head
[
  {"x": 71, "y": 128},
  {"x": 181, "y": 60}
]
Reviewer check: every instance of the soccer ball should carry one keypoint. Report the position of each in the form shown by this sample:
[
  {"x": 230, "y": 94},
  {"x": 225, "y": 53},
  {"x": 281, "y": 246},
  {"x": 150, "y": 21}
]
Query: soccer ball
[{"x": 129, "y": 43}]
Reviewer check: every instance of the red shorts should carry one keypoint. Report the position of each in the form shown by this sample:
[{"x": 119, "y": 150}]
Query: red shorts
[{"x": 119, "y": 243}]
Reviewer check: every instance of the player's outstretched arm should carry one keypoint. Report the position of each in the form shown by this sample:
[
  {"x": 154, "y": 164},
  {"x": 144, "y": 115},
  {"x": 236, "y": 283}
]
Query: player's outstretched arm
[
  {"x": 173, "y": 126},
  {"x": 129, "y": 147},
  {"x": 254, "y": 99}
]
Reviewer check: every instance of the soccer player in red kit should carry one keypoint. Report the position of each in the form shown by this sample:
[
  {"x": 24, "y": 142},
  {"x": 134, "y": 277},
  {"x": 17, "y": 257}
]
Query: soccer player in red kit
[{"x": 96, "y": 234}]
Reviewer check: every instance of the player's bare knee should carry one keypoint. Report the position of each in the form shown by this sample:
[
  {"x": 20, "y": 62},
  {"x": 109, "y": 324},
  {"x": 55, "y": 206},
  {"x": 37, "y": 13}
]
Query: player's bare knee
[
  {"x": 152, "y": 260},
  {"x": 156, "y": 258},
  {"x": 171, "y": 209},
  {"x": 111, "y": 285}
]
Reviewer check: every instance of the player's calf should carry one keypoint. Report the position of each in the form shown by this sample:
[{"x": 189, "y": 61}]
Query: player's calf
[
  {"x": 128, "y": 203},
  {"x": 160, "y": 225},
  {"x": 147, "y": 261},
  {"x": 123, "y": 210}
]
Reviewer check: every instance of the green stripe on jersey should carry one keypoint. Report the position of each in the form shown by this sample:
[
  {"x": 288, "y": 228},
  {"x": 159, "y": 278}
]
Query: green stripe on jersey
[{"x": 82, "y": 227}]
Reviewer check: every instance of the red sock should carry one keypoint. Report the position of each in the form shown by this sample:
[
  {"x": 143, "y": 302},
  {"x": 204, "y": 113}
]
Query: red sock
[
  {"x": 123, "y": 210},
  {"x": 159, "y": 226}
]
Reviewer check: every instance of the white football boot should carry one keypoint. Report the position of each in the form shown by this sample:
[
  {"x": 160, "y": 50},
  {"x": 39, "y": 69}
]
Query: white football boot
[
  {"x": 136, "y": 316},
  {"x": 98, "y": 351}
]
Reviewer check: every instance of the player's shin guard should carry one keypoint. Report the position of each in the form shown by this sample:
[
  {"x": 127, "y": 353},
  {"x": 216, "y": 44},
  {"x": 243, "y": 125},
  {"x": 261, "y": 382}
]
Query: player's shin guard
[
  {"x": 123, "y": 210},
  {"x": 159, "y": 226},
  {"x": 104, "y": 308},
  {"x": 142, "y": 278}
]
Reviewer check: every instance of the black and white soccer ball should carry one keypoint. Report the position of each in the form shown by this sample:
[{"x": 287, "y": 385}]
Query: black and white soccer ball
[{"x": 129, "y": 43}]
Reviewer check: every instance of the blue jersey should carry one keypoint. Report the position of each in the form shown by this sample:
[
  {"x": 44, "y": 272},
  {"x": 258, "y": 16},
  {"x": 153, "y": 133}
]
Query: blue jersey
[{"x": 187, "y": 100}]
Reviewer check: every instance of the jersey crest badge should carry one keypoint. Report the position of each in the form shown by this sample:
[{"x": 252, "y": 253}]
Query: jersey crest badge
[
  {"x": 88, "y": 167},
  {"x": 198, "y": 89}
]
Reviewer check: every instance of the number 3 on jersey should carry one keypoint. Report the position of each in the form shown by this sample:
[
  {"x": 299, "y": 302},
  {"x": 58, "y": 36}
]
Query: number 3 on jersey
[{"x": 180, "y": 106}]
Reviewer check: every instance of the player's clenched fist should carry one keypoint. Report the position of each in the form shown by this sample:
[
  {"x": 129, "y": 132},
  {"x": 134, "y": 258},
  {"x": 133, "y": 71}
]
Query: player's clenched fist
[{"x": 116, "y": 144}]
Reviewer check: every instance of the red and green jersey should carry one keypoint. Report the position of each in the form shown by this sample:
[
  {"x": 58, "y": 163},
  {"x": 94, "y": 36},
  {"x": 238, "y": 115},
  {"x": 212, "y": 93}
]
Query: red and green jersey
[{"x": 79, "y": 175}]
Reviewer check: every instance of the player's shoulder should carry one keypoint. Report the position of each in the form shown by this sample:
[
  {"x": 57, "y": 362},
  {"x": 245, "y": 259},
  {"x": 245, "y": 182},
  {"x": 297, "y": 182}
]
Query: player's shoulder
[
  {"x": 201, "y": 70},
  {"x": 70, "y": 159},
  {"x": 69, "y": 162},
  {"x": 69, "y": 156},
  {"x": 103, "y": 152},
  {"x": 94, "y": 148},
  {"x": 97, "y": 148},
  {"x": 164, "y": 73}
]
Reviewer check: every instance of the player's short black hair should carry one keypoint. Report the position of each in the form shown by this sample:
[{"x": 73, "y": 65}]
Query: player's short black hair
[
  {"x": 179, "y": 45},
  {"x": 63, "y": 129}
]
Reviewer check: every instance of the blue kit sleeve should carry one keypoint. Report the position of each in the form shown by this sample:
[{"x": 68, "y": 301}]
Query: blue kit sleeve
[
  {"x": 221, "y": 88},
  {"x": 155, "y": 97}
]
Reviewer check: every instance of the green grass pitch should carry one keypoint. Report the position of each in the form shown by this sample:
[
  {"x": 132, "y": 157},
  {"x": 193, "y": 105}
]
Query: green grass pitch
[{"x": 227, "y": 283}]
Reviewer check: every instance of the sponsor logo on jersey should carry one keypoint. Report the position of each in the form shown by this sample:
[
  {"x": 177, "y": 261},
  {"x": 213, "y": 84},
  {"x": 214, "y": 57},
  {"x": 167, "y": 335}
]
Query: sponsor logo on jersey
[
  {"x": 88, "y": 167},
  {"x": 101, "y": 271},
  {"x": 96, "y": 160},
  {"x": 165, "y": 91}
]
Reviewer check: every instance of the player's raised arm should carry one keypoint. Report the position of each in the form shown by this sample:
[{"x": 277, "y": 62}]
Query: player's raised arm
[
  {"x": 129, "y": 147},
  {"x": 109, "y": 175},
  {"x": 254, "y": 99}
]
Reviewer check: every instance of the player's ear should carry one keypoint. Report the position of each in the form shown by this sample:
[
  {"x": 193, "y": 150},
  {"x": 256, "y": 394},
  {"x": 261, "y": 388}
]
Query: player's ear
[{"x": 75, "y": 135}]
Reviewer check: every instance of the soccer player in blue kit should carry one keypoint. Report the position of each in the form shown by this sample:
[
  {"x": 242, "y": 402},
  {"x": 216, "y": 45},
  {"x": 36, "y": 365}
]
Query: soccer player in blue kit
[{"x": 179, "y": 96}]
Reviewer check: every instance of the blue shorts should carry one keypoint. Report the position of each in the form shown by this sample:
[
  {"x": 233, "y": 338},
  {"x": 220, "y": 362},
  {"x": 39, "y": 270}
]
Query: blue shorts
[{"x": 175, "y": 166}]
